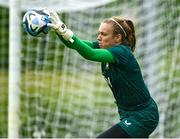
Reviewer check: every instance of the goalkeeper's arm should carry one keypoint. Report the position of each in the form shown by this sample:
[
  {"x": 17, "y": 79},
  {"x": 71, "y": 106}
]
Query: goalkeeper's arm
[
  {"x": 89, "y": 43},
  {"x": 86, "y": 50},
  {"x": 71, "y": 41}
]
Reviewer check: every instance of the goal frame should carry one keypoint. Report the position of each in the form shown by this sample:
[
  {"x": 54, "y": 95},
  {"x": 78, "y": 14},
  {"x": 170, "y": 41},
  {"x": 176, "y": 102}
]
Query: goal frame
[{"x": 14, "y": 68}]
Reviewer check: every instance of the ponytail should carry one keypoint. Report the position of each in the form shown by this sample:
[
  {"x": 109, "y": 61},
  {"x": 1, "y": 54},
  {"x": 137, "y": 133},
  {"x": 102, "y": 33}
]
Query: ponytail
[{"x": 131, "y": 38}]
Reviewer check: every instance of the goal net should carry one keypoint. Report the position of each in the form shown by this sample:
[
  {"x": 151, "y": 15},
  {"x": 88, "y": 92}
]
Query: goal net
[{"x": 60, "y": 94}]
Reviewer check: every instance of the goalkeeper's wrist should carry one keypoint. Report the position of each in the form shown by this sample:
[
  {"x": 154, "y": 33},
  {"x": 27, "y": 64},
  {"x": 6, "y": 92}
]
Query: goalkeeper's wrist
[{"x": 67, "y": 34}]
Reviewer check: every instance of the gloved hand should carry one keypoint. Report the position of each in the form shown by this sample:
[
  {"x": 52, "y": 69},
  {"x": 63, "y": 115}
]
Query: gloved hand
[{"x": 59, "y": 26}]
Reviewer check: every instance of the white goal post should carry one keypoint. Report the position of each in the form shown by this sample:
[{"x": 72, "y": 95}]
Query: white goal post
[{"x": 14, "y": 68}]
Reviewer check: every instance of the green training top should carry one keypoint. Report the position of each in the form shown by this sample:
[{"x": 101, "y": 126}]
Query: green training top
[{"x": 120, "y": 70}]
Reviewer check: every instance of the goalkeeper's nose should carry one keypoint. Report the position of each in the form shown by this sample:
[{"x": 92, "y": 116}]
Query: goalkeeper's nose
[{"x": 99, "y": 37}]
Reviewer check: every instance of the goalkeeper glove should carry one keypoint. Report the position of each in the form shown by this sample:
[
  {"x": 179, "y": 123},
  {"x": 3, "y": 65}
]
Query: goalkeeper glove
[{"x": 59, "y": 26}]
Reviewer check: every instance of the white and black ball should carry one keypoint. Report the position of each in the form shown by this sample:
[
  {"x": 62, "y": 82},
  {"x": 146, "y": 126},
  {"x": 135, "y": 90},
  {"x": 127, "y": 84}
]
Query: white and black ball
[{"x": 35, "y": 22}]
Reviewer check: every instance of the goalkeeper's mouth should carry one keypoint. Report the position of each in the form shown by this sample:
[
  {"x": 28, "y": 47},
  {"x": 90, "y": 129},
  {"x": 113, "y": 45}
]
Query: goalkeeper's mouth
[{"x": 100, "y": 44}]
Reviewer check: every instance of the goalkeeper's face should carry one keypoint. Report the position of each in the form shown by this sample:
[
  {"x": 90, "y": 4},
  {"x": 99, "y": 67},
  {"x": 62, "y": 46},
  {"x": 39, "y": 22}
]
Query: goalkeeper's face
[{"x": 106, "y": 37}]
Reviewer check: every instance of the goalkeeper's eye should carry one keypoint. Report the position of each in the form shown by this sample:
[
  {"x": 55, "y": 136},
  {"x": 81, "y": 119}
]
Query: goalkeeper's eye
[{"x": 102, "y": 33}]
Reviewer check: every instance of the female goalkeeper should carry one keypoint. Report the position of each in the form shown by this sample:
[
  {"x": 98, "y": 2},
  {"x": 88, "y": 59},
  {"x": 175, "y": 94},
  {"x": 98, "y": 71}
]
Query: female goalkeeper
[{"x": 114, "y": 49}]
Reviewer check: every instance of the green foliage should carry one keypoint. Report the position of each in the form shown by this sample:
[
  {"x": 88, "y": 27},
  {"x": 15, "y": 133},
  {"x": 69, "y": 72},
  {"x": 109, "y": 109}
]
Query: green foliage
[
  {"x": 4, "y": 38},
  {"x": 4, "y": 48},
  {"x": 3, "y": 103}
]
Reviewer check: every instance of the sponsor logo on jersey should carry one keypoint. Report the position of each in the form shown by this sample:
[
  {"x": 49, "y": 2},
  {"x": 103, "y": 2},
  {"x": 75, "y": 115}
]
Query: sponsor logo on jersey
[{"x": 127, "y": 123}]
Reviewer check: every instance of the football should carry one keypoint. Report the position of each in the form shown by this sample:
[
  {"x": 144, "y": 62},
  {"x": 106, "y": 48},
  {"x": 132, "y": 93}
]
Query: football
[{"x": 35, "y": 22}]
